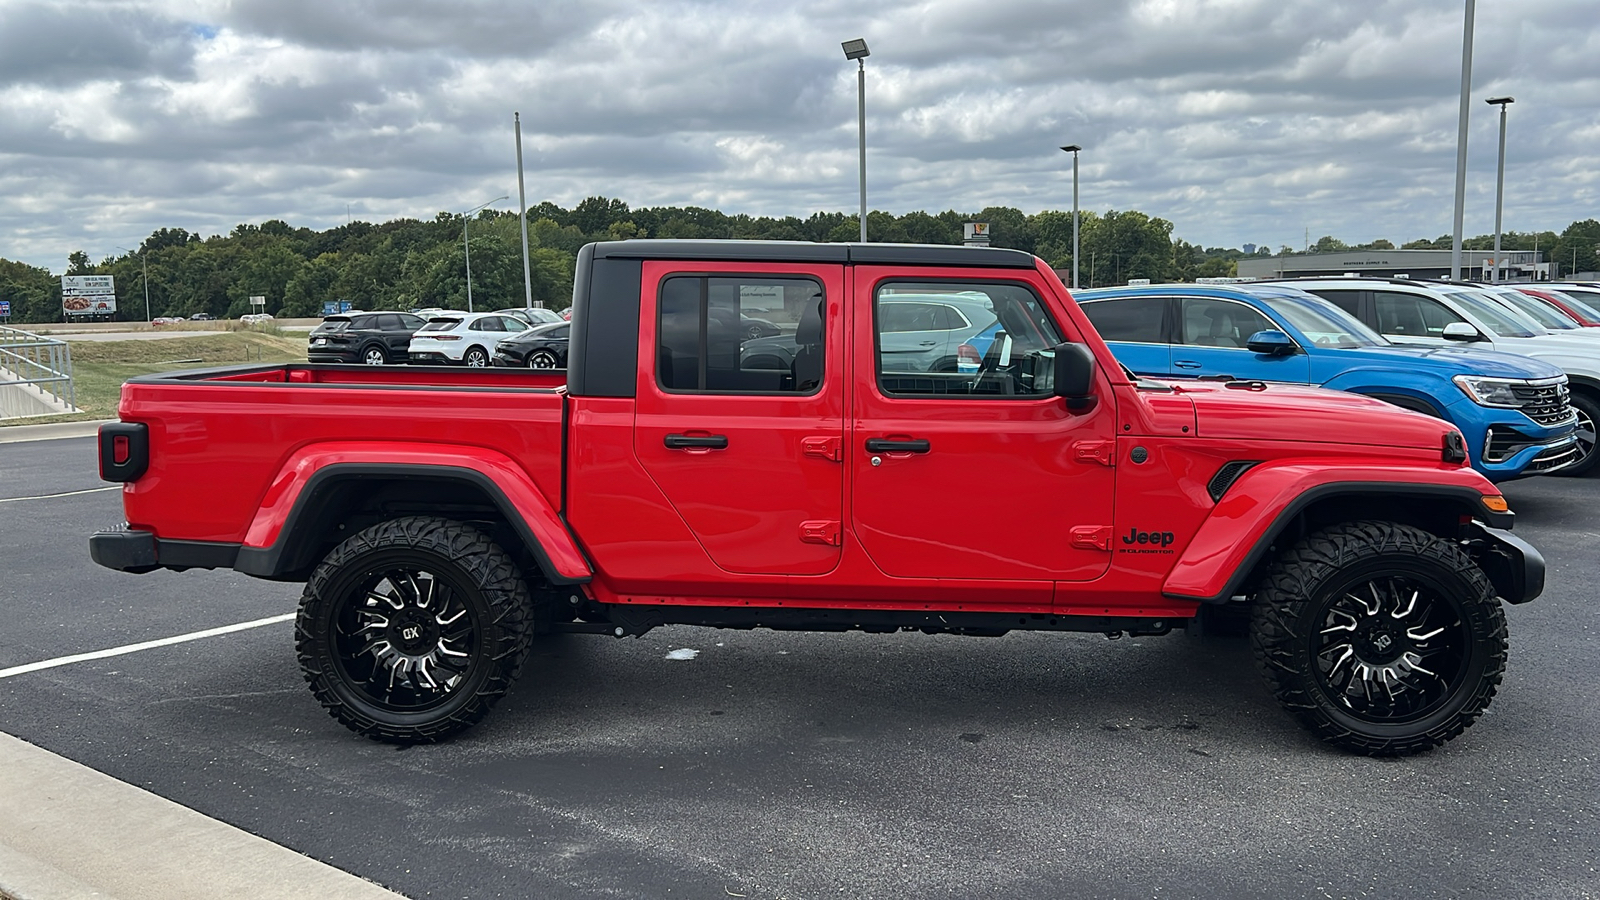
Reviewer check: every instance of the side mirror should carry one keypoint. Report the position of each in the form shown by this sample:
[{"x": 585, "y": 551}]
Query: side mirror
[
  {"x": 1461, "y": 331},
  {"x": 1271, "y": 342},
  {"x": 1074, "y": 375}
]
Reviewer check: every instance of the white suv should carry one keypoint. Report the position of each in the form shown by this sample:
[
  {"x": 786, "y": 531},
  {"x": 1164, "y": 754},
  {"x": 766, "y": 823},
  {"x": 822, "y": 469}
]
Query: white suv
[
  {"x": 462, "y": 338},
  {"x": 1441, "y": 313}
]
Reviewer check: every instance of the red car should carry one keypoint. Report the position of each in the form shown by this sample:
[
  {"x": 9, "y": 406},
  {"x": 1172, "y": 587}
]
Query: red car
[
  {"x": 1582, "y": 313},
  {"x": 440, "y": 518}
]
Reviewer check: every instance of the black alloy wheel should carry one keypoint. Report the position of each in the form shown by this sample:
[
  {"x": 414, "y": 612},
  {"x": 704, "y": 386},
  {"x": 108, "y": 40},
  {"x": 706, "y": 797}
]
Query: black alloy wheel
[
  {"x": 476, "y": 357},
  {"x": 411, "y": 630},
  {"x": 374, "y": 356},
  {"x": 1588, "y": 411},
  {"x": 543, "y": 359},
  {"x": 1382, "y": 638}
]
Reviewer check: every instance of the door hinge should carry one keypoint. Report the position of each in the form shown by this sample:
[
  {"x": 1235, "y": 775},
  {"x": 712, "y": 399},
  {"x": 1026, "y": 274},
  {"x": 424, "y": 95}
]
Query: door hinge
[
  {"x": 1091, "y": 537},
  {"x": 829, "y": 448},
  {"x": 828, "y": 532},
  {"x": 1102, "y": 452}
]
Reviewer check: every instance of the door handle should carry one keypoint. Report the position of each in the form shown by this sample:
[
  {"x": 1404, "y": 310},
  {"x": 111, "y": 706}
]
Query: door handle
[
  {"x": 927, "y": 343},
  {"x": 886, "y": 445},
  {"x": 694, "y": 442},
  {"x": 1185, "y": 364}
]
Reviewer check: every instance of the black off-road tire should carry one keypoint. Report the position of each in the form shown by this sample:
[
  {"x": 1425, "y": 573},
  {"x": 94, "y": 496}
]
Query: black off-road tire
[
  {"x": 1588, "y": 410},
  {"x": 456, "y": 620},
  {"x": 1377, "y": 587}
]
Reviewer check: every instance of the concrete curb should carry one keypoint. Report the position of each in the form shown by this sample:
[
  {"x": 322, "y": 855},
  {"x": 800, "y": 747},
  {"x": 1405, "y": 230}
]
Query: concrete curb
[
  {"x": 69, "y": 832},
  {"x": 16, "y": 434}
]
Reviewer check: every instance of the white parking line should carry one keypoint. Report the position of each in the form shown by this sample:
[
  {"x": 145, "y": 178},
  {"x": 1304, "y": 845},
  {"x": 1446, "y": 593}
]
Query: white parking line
[
  {"x": 147, "y": 645},
  {"x": 114, "y": 487}
]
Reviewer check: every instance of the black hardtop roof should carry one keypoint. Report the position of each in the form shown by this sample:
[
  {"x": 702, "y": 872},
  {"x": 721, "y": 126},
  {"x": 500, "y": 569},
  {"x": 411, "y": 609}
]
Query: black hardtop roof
[{"x": 804, "y": 251}]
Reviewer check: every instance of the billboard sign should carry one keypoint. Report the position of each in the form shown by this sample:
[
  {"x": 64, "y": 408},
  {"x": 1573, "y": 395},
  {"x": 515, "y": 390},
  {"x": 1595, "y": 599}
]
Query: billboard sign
[
  {"x": 975, "y": 234},
  {"x": 88, "y": 295},
  {"x": 5, "y": 309},
  {"x": 335, "y": 307}
]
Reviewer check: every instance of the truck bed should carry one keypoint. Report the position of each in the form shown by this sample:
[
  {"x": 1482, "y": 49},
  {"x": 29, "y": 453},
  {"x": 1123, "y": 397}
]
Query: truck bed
[{"x": 223, "y": 440}]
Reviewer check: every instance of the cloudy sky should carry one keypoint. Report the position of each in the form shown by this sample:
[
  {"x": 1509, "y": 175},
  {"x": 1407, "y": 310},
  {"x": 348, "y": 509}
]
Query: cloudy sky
[{"x": 1239, "y": 120}]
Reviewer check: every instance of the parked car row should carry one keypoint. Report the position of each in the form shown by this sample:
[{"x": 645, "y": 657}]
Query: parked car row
[
  {"x": 1518, "y": 374},
  {"x": 427, "y": 336}
]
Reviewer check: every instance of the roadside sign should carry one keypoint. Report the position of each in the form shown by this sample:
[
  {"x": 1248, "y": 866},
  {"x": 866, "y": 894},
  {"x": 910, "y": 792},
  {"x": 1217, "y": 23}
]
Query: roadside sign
[
  {"x": 258, "y": 301},
  {"x": 88, "y": 295},
  {"x": 5, "y": 309},
  {"x": 334, "y": 307}
]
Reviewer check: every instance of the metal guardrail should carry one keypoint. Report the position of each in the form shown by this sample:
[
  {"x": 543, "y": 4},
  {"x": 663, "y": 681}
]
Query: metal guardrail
[{"x": 45, "y": 364}]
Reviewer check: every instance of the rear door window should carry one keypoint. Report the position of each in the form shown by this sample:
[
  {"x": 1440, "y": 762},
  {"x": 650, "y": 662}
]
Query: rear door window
[{"x": 1134, "y": 320}]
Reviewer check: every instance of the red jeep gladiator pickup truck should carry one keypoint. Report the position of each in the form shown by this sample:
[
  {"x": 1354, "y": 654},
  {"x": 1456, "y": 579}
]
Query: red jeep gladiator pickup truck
[{"x": 865, "y": 468}]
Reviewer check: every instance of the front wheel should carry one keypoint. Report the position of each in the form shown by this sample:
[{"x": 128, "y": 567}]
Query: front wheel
[
  {"x": 476, "y": 357},
  {"x": 1588, "y": 411},
  {"x": 409, "y": 631},
  {"x": 1382, "y": 638}
]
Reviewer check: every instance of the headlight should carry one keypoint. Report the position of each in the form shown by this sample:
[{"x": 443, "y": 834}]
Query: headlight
[{"x": 1489, "y": 391}]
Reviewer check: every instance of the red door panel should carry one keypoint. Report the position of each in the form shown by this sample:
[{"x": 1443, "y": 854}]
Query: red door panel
[{"x": 755, "y": 477}]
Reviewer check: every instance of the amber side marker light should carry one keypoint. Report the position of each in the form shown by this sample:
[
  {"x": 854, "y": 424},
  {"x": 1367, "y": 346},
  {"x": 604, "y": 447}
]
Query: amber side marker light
[{"x": 1496, "y": 503}]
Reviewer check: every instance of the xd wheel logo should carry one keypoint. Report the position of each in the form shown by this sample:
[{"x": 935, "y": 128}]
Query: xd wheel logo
[{"x": 411, "y": 632}]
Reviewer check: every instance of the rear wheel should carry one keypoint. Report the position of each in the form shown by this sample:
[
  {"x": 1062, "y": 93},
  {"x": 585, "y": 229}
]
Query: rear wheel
[
  {"x": 374, "y": 356},
  {"x": 476, "y": 357},
  {"x": 1588, "y": 410},
  {"x": 1382, "y": 638},
  {"x": 411, "y": 630},
  {"x": 543, "y": 359}
]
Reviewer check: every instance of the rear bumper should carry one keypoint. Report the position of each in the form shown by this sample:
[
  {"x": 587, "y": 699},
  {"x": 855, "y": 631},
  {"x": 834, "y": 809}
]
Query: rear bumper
[
  {"x": 129, "y": 550},
  {"x": 431, "y": 358},
  {"x": 333, "y": 355}
]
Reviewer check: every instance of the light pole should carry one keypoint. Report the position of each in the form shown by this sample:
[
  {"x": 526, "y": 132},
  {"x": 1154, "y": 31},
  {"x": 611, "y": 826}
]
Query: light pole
[
  {"x": 467, "y": 247},
  {"x": 1073, "y": 149},
  {"x": 857, "y": 50},
  {"x": 145, "y": 277},
  {"x": 1461, "y": 144},
  {"x": 522, "y": 217},
  {"x": 1499, "y": 179}
]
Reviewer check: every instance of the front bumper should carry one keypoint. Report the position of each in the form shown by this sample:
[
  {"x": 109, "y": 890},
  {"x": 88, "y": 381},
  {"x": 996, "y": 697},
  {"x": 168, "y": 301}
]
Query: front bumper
[{"x": 1514, "y": 567}]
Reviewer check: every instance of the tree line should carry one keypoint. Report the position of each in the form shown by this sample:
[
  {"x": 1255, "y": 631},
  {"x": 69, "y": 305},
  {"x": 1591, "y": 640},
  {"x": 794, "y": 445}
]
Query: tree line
[{"x": 411, "y": 263}]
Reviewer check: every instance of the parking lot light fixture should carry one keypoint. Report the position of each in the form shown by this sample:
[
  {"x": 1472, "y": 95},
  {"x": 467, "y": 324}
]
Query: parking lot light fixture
[
  {"x": 1499, "y": 180},
  {"x": 1073, "y": 149},
  {"x": 466, "y": 248},
  {"x": 857, "y": 50},
  {"x": 144, "y": 277}
]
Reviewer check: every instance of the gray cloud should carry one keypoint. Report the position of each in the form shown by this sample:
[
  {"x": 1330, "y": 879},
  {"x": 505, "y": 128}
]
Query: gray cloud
[{"x": 1239, "y": 120}]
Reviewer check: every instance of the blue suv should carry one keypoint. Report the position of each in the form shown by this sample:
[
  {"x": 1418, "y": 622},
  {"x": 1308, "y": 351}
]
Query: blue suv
[{"x": 1513, "y": 410}]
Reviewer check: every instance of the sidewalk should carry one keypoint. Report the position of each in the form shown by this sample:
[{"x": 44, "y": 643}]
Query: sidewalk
[
  {"x": 16, "y": 434},
  {"x": 68, "y": 832}
]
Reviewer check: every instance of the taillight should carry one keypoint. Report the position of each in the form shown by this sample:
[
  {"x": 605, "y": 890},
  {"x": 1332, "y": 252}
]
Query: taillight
[
  {"x": 445, "y": 337},
  {"x": 124, "y": 450},
  {"x": 966, "y": 353}
]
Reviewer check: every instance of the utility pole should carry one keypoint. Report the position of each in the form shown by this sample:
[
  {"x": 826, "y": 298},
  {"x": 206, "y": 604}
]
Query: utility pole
[
  {"x": 1073, "y": 149},
  {"x": 857, "y": 50},
  {"x": 1499, "y": 180}
]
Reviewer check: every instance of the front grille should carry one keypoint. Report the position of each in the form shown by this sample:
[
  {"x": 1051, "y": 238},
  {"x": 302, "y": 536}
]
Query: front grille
[
  {"x": 1505, "y": 442},
  {"x": 1544, "y": 403}
]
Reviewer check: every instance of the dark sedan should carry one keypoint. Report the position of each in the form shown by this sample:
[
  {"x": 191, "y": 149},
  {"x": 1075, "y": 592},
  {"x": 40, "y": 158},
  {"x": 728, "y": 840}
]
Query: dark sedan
[
  {"x": 371, "y": 338},
  {"x": 541, "y": 347}
]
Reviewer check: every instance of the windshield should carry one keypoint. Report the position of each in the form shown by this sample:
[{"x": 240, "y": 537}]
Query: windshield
[
  {"x": 1495, "y": 317},
  {"x": 1535, "y": 309},
  {"x": 1324, "y": 324}
]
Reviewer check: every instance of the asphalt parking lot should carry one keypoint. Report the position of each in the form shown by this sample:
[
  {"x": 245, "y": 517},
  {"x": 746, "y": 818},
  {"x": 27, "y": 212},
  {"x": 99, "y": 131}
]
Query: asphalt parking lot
[{"x": 778, "y": 765}]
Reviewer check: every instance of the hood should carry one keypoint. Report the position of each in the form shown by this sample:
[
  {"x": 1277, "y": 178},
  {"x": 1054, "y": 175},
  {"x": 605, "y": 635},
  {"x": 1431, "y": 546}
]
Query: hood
[
  {"x": 1465, "y": 361},
  {"x": 1284, "y": 413},
  {"x": 1567, "y": 346}
]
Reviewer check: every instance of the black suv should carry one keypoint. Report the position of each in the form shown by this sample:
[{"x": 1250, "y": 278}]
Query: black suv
[{"x": 372, "y": 338}]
